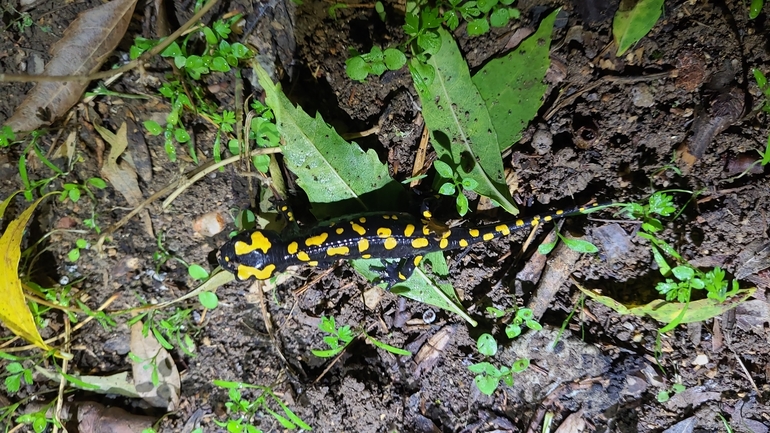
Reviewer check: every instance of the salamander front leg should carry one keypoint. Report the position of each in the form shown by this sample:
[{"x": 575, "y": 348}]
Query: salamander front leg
[{"x": 398, "y": 272}]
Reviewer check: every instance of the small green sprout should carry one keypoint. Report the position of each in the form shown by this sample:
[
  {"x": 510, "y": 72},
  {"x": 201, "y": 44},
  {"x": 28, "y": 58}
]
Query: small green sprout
[
  {"x": 375, "y": 62},
  {"x": 339, "y": 338},
  {"x": 453, "y": 185},
  {"x": 17, "y": 374},
  {"x": 7, "y": 137},
  {"x": 74, "y": 254},
  {"x": 578, "y": 245},
  {"x": 522, "y": 316},
  {"x": 242, "y": 412},
  {"x": 488, "y": 376},
  {"x": 665, "y": 395}
]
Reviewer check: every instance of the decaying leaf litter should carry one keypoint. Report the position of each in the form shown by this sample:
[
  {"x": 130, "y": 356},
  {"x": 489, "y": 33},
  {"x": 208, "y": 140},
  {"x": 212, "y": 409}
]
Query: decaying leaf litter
[{"x": 635, "y": 140}]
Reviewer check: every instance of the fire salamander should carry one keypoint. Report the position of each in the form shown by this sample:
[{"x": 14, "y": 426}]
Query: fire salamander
[{"x": 263, "y": 253}]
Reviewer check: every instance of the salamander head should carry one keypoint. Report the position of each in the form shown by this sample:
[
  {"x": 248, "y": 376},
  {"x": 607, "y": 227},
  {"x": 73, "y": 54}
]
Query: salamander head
[{"x": 248, "y": 255}]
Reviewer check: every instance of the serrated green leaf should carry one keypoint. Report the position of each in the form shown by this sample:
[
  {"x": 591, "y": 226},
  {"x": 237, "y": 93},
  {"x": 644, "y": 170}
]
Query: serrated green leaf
[
  {"x": 338, "y": 177},
  {"x": 630, "y": 26},
  {"x": 512, "y": 86},
  {"x": 460, "y": 126}
]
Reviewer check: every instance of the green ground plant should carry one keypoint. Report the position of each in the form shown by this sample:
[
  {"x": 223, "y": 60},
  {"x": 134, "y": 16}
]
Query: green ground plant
[
  {"x": 243, "y": 412},
  {"x": 665, "y": 395},
  {"x": 217, "y": 55},
  {"x": 488, "y": 376},
  {"x": 339, "y": 338},
  {"x": 170, "y": 330},
  {"x": 162, "y": 255},
  {"x": 765, "y": 107}
]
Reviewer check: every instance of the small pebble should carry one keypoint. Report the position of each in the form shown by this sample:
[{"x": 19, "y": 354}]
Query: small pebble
[
  {"x": 428, "y": 316},
  {"x": 642, "y": 96},
  {"x": 542, "y": 141},
  {"x": 701, "y": 359},
  {"x": 209, "y": 224}
]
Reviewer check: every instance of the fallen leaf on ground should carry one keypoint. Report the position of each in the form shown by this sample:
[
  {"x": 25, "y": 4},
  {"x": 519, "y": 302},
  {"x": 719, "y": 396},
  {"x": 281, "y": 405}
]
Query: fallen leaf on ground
[
  {"x": 156, "y": 367},
  {"x": 14, "y": 312},
  {"x": 86, "y": 44},
  {"x": 117, "y": 384},
  {"x": 95, "y": 418},
  {"x": 121, "y": 175}
]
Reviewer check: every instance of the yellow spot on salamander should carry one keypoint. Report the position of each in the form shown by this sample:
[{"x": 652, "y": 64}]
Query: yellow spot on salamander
[
  {"x": 582, "y": 209},
  {"x": 463, "y": 243},
  {"x": 258, "y": 242},
  {"x": 401, "y": 276},
  {"x": 488, "y": 237},
  {"x": 383, "y": 232},
  {"x": 425, "y": 230},
  {"x": 443, "y": 243},
  {"x": 427, "y": 214},
  {"x": 358, "y": 229},
  {"x": 502, "y": 228},
  {"x": 419, "y": 243},
  {"x": 303, "y": 256},
  {"x": 292, "y": 248},
  {"x": 559, "y": 212},
  {"x": 417, "y": 260},
  {"x": 473, "y": 232},
  {"x": 386, "y": 217},
  {"x": 409, "y": 230},
  {"x": 535, "y": 221},
  {"x": 390, "y": 243},
  {"x": 547, "y": 218},
  {"x": 316, "y": 240},
  {"x": 363, "y": 245},
  {"x": 519, "y": 223},
  {"x": 339, "y": 230},
  {"x": 395, "y": 217},
  {"x": 244, "y": 272},
  {"x": 290, "y": 216},
  {"x": 366, "y": 256},
  {"x": 362, "y": 220},
  {"x": 338, "y": 251},
  {"x": 313, "y": 263},
  {"x": 445, "y": 234}
]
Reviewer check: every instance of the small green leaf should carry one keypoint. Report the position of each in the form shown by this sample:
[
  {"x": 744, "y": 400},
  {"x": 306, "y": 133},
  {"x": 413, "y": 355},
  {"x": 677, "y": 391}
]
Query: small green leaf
[
  {"x": 81, "y": 243},
  {"x": 546, "y": 249},
  {"x": 663, "y": 396},
  {"x": 356, "y": 68},
  {"x": 430, "y": 42},
  {"x": 197, "y": 272},
  {"x": 487, "y": 345},
  {"x": 447, "y": 189},
  {"x": 469, "y": 183},
  {"x": 73, "y": 255},
  {"x": 211, "y": 38},
  {"x": 462, "y": 204},
  {"x": 486, "y": 384},
  {"x": 683, "y": 273},
  {"x": 389, "y": 348},
  {"x": 181, "y": 135},
  {"x": 478, "y": 27},
  {"x": 443, "y": 169},
  {"x": 394, "y": 59},
  {"x": 97, "y": 183},
  {"x": 580, "y": 245},
  {"x": 208, "y": 299},
  {"x": 13, "y": 383},
  {"x": 486, "y": 5},
  {"x": 755, "y": 8},
  {"x": 630, "y": 26},
  {"x": 499, "y": 18},
  {"x": 512, "y": 330},
  {"x": 219, "y": 64},
  {"x": 152, "y": 127},
  {"x": 520, "y": 365},
  {"x": 172, "y": 50}
]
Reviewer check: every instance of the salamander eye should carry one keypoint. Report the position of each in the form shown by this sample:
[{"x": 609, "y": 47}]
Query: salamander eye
[{"x": 227, "y": 258}]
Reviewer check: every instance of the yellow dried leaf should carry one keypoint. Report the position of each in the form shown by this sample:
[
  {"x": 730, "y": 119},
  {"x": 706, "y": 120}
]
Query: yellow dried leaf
[{"x": 14, "y": 312}]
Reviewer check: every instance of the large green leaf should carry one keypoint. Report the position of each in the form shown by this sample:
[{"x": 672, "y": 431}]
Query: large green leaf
[
  {"x": 420, "y": 286},
  {"x": 632, "y": 22},
  {"x": 512, "y": 86},
  {"x": 338, "y": 176},
  {"x": 455, "y": 113}
]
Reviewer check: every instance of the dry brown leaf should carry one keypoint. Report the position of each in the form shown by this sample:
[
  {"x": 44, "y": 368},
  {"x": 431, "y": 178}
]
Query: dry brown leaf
[
  {"x": 121, "y": 175},
  {"x": 156, "y": 365},
  {"x": 93, "y": 417},
  {"x": 86, "y": 44}
]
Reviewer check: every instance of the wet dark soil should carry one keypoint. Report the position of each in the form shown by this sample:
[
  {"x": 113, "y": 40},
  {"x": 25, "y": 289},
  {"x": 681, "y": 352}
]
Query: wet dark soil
[{"x": 611, "y": 129}]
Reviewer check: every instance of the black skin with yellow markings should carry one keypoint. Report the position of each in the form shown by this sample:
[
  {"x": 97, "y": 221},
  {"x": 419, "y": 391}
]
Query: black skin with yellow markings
[{"x": 263, "y": 253}]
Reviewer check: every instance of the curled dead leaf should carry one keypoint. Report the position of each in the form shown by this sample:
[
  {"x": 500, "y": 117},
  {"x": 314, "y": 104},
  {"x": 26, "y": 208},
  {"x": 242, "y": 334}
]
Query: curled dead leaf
[{"x": 86, "y": 44}]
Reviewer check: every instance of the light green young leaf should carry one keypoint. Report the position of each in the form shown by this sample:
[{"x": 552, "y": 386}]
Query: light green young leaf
[
  {"x": 631, "y": 25},
  {"x": 460, "y": 126},
  {"x": 512, "y": 86},
  {"x": 338, "y": 177}
]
